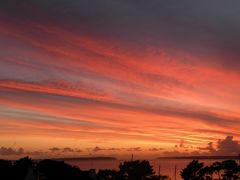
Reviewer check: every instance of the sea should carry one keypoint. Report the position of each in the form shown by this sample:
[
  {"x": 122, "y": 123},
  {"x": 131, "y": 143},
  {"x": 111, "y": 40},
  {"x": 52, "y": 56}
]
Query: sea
[{"x": 162, "y": 166}]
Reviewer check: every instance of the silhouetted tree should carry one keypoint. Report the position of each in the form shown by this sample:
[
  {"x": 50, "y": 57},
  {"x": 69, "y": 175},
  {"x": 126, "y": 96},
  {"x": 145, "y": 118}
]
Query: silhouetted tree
[
  {"x": 21, "y": 168},
  {"x": 231, "y": 169},
  {"x": 207, "y": 172},
  {"x": 226, "y": 170},
  {"x": 136, "y": 170},
  {"x": 217, "y": 167},
  {"x": 192, "y": 171},
  {"x": 6, "y": 169}
]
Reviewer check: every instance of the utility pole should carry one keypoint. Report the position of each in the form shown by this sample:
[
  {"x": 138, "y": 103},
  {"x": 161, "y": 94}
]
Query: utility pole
[
  {"x": 239, "y": 158},
  {"x": 159, "y": 170},
  {"x": 175, "y": 172}
]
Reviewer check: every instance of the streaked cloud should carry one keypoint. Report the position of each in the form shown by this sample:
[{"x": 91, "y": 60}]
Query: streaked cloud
[{"x": 146, "y": 74}]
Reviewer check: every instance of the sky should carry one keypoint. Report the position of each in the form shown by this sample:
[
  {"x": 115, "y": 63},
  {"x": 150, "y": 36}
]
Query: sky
[{"x": 112, "y": 78}]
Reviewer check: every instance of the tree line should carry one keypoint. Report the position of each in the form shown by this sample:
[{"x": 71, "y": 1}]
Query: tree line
[
  {"x": 48, "y": 169},
  {"x": 27, "y": 169}
]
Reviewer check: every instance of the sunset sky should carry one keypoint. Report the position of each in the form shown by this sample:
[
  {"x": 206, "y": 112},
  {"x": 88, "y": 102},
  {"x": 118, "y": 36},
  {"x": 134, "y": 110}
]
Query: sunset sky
[{"x": 111, "y": 77}]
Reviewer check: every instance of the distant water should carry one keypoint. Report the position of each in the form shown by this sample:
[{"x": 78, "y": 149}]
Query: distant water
[{"x": 167, "y": 166}]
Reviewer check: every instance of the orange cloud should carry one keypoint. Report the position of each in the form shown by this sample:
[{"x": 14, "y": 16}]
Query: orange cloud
[{"x": 102, "y": 92}]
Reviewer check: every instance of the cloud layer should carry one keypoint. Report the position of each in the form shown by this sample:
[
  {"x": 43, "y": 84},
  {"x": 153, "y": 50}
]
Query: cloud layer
[{"x": 222, "y": 147}]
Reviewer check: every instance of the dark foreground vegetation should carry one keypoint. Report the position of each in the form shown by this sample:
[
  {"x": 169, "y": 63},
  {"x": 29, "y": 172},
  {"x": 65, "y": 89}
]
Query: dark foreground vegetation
[
  {"x": 27, "y": 169},
  {"x": 225, "y": 170}
]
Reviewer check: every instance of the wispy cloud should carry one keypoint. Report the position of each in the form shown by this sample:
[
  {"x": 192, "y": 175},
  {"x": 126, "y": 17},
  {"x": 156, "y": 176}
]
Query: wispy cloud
[{"x": 130, "y": 73}]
